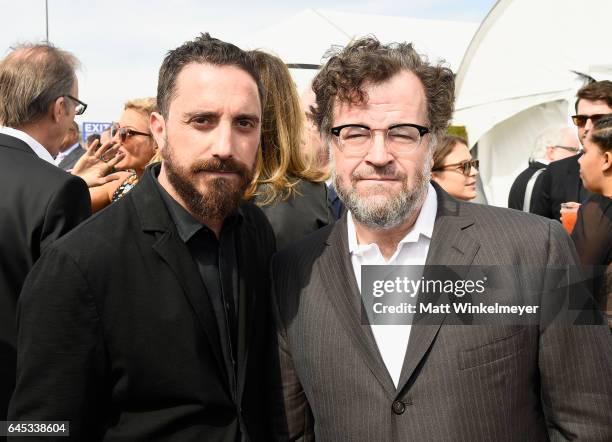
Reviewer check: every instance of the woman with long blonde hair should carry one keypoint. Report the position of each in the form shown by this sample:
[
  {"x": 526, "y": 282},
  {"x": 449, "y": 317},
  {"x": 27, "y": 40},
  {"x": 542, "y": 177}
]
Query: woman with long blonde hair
[{"x": 287, "y": 186}]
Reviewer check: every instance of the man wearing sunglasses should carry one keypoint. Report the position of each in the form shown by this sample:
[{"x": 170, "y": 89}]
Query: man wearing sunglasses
[
  {"x": 39, "y": 202},
  {"x": 561, "y": 182},
  {"x": 554, "y": 144}
]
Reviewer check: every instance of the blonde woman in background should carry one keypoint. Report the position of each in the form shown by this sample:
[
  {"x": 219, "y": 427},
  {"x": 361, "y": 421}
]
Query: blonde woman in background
[
  {"x": 287, "y": 186},
  {"x": 137, "y": 147},
  {"x": 454, "y": 169}
]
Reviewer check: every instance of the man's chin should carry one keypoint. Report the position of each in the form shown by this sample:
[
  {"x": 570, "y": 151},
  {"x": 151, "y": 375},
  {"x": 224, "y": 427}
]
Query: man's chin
[{"x": 376, "y": 192}]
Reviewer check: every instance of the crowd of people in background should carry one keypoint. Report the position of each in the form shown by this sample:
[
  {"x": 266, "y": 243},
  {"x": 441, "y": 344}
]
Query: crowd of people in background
[{"x": 158, "y": 318}]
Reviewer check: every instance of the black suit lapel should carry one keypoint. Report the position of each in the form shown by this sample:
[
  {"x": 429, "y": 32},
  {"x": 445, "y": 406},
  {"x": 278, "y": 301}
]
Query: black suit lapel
[
  {"x": 573, "y": 183},
  {"x": 338, "y": 276},
  {"x": 451, "y": 244},
  {"x": 154, "y": 218}
]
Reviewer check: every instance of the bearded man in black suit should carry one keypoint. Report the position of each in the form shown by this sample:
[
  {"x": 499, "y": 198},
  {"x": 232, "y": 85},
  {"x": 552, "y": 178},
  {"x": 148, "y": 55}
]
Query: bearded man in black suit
[{"x": 148, "y": 322}]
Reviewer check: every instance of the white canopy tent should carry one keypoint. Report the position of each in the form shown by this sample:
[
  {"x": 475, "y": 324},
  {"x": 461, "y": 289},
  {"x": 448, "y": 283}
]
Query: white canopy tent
[
  {"x": 520, "y": 75},
  {"x": 304, "y": 38}
]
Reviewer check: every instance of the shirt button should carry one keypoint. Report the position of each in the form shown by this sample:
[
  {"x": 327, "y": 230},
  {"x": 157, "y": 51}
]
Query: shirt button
[{"x": 398, "y": 407}]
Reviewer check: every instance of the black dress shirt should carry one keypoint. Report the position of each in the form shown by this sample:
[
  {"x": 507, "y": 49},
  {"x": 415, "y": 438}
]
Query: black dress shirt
[{"x": 217, "y": 265}]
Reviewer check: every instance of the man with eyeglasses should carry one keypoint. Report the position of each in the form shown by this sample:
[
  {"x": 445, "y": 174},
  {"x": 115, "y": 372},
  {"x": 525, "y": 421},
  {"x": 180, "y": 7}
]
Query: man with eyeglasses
[
  {"x": 38, "y": 201},
  {"x": 339, "y": 373},
  {"x": 561, "y": 182},
  {"x": 553, "y": 144}
]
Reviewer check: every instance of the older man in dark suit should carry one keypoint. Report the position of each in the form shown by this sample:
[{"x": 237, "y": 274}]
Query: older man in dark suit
[
  {"x": 71, "y": 149},
  {"x": 38, "y": 202},
  {"x": 553, "y": 144},
  {"x": 149, "y": 321},
  {"x": 339, "y": 375}
]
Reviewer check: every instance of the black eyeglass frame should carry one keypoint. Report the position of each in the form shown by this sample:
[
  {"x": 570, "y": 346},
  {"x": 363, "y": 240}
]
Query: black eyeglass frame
[
  {"x": 335, "y": 131},
  {"x": 80, "y": 111},
  {"x": 466, "y": 166},
  {"x": 568, "y": 148}
]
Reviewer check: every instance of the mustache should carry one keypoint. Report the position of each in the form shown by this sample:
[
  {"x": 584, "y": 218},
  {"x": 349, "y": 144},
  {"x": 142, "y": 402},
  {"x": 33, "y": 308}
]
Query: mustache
[
  {"x": 387, "y": 171},
  {"x": 221, "y": 165}
]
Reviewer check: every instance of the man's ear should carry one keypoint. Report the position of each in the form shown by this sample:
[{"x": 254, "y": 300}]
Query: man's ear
[
  {"x": 158, "y": 128},
  {"x": 57, "y": 109},
  {"x": 606, "y": 165},
  {"x": 549, "y": 153}
]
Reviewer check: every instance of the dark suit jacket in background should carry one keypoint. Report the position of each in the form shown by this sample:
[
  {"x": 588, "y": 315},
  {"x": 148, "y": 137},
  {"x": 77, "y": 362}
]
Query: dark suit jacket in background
[
  {"x": 69, "y": 162},
  {"x": 38, "y": 204},
  {"x": 516, "y": 197},
  {"x": 337, "y": 206},
  {"x": 458, "y": 382},
  {"x": 117, "y": 331},
  {"x": 300, "y": 214},
  {"x": 559, "y": 183}
]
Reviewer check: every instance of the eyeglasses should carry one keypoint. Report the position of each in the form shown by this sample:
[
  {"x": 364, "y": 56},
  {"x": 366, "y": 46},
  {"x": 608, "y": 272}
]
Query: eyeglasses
[
  {"x": 465, "y": 167},
  {"x": 79, "y": 109},
  {"x": 125, "y": 132},
  {"x": 580, "y": 120},
  {"x": 356, "y": 139},
  {"x": 568, "y": 148}
]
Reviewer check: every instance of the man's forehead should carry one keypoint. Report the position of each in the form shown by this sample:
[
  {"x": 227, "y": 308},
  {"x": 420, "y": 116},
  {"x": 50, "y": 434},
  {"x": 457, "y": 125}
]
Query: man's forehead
[
  {"x": 587, "y": 106},
  {"x": 402, "y": 92},
  {"x": 203, "y": 73},
  {"x": 204, "y": 82}
]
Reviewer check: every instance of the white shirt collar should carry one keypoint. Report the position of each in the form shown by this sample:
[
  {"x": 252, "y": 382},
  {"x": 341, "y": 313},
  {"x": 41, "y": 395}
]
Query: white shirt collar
[
  {"x": 38, "y": 148},
  {"x": 423, "y": 225}
]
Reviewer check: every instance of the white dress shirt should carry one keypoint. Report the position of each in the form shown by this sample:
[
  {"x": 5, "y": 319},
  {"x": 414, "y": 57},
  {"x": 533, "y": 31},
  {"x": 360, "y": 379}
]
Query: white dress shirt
[
  {"x": 34, "y": 145},
  {"x": 392, "y": 340}
]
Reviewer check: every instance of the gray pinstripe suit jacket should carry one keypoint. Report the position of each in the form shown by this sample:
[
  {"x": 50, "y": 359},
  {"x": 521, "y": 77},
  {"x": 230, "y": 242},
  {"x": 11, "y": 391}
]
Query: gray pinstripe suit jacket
[{"x": 458, "y": 382}]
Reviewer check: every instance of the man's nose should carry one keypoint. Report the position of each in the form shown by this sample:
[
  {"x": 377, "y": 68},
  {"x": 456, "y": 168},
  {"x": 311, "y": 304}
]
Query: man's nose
[
  {"x": 222, "y": 145},
  {"x": 378, "y": 153},
  {"x": 588, "y": 125}
]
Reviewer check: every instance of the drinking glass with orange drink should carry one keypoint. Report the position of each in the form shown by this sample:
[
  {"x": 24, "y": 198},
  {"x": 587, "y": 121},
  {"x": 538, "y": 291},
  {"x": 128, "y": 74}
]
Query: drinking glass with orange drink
[{"x": 569, "y": 214}]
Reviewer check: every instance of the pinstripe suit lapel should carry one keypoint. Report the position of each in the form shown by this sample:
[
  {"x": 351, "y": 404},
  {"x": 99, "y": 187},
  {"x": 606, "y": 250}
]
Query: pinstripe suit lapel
[
  {"x": 340, "y": 284},
  {"x": 451, "y": 244}
]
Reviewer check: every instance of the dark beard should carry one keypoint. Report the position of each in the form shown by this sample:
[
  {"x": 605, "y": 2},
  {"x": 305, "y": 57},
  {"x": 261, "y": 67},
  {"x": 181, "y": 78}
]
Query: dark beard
[{"x": 223, "y": 195}]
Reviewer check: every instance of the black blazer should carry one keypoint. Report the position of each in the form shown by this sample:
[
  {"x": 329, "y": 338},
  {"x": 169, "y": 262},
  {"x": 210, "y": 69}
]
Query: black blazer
[
  {"x": 516, "y": 197},
  {"x": 559, "y": 183},
  {"x": 38, "y": 204},
  {"x": 117, "y": 331},
  {"x": 301, "y": 214}
]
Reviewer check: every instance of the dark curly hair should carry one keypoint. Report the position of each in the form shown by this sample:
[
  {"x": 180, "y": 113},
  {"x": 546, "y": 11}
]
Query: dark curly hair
[{"x": 367, "y": 60}]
